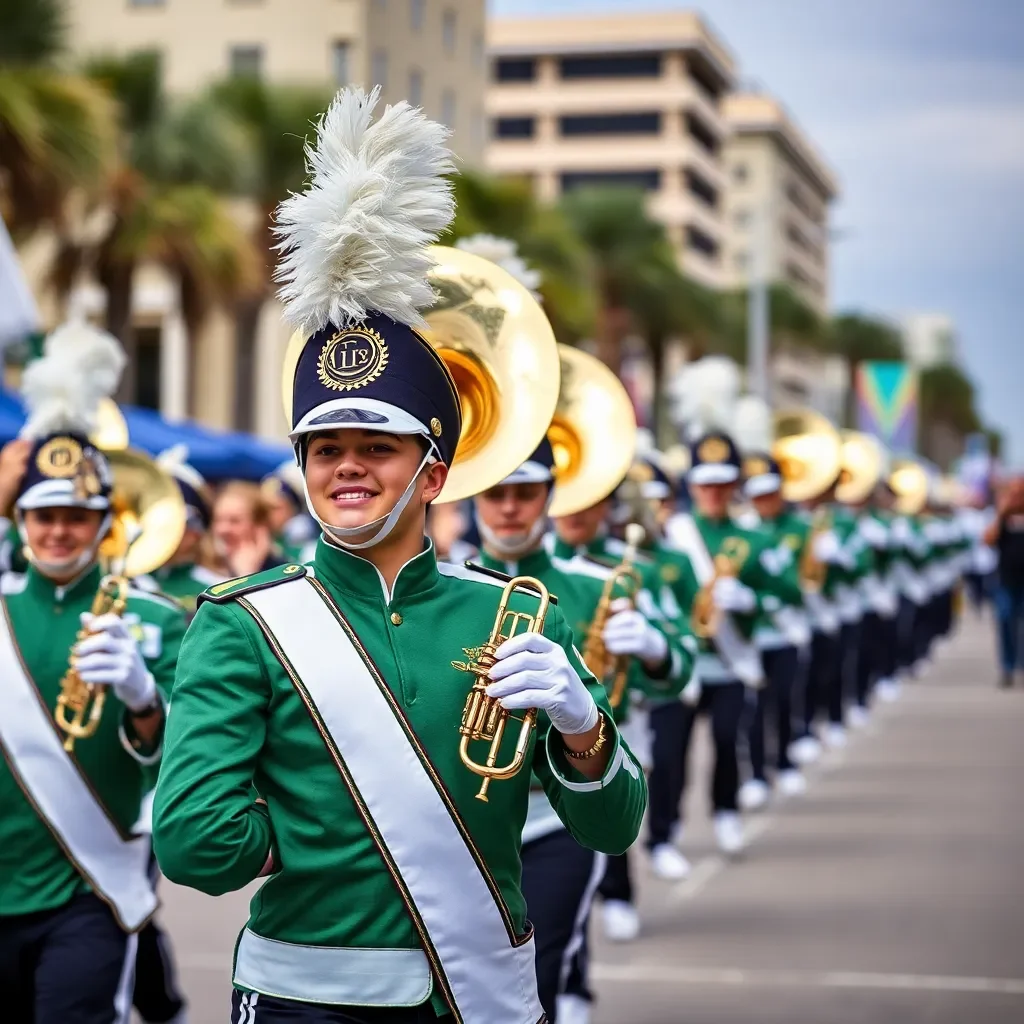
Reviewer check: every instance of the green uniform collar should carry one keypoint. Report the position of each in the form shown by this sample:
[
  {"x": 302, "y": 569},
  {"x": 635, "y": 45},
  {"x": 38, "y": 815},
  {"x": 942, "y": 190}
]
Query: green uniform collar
[
  {"x": 347, "y": 572},
  {"x": 562, "y": 549},
  {"x": 43, "y": 588},
  {"x": 534, "y": 564}
]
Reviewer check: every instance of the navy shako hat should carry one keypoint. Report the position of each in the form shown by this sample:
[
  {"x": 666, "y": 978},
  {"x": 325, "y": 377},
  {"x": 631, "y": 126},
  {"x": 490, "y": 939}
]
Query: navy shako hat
[
  {"x": 66, "y": 470},
  {"x": 195, "y": 491},
  {"x": 761, "y": 475},
  {"x": 651, "y": 481},
  {"x": 539, "y": 468},
  {"x": 714, "y": 459},
  {"x": 376, "y": 374}
]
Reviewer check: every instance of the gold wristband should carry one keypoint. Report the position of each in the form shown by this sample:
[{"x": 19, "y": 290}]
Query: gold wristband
[{"x": 592, "y": 751}]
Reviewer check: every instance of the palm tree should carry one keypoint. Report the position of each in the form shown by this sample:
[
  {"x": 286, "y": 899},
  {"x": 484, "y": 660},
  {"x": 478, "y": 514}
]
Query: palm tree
[
  {"x": 164, "y": 203},
  {"x": 278, "y": 120},
  {"x": 57, "y": 130},
  {"x": 546, "y": 241},
  {"x": 857, "y": 339},
  {"x": 946, "y": 407}
]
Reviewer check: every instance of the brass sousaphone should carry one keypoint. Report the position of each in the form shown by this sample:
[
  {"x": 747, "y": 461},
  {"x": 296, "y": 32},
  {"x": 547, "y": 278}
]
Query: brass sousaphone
[
  {"x": 909, "y": 483},
  {"x": 863, "y": 467}
]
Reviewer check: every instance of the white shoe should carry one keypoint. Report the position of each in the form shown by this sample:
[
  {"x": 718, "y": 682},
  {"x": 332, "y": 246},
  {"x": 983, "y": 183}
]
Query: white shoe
[
  {"x": 669, "y": 864},
  {"x": 835, "y": 737},
  {"x": 621, "y": 921},
  {"x": 729, "y": 832},
  {"x": 791, "y": 782},
  {"x": 572, "y": 1010},
  {"x": 888, "y": 690},
  {"x": 753, "y": 794},
  {"x": 857, "y": 717},
  {"x": 805, "y": 750}
]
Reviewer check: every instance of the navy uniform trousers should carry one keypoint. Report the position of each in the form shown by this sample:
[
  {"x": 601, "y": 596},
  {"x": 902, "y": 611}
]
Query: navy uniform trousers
[
  {"x": 252, "y": 1008},
  {"x": 156, "y": 996},
  {"x": 771, "y": 727},
  {"x": 70, "y": 965}
]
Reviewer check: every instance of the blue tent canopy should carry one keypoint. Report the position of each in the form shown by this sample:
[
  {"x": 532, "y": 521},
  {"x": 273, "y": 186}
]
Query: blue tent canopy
[{"x": 218, "y": 455}]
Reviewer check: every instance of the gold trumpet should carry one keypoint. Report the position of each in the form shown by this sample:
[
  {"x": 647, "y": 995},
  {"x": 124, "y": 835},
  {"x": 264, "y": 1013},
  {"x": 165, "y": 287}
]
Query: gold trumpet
[
  {"x": 706, "y": 616},
  {"x": 613, "y": 669},
  {"x": 80, "y": 704},
  {"x": 812, "y": 570},
  {"x": 483, "y": 717}
]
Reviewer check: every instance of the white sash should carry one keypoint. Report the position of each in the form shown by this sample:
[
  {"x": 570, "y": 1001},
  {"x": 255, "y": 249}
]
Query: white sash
[
  {"x": 116, "y": 869},
  {"x": 742, "y": 656},
  {"x": 488, "y": 978}
]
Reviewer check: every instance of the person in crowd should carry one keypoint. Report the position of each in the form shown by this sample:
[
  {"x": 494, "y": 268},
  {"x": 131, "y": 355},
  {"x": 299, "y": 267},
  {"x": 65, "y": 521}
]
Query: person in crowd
[
  {"x": 1006, "y": 535},
  {"x": 292, "y": 528},
  {"x": 241, "y": 532}
]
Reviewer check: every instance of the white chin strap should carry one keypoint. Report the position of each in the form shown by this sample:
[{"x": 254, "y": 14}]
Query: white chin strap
[
  {"x": 513, "y": 548},
  {"x": 74, "y": 565},
  {"x": 338, "y": 535}
]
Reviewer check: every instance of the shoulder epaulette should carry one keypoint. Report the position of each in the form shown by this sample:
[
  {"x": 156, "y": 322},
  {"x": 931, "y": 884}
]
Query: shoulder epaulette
[
  {"x": 153, "y": 593},
  {"x": 495, "y": 574},
  {"x": 229, "y": 590}
]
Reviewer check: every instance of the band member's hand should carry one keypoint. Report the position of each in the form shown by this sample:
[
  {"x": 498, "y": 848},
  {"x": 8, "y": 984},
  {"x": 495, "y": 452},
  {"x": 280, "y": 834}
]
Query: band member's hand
[
  {"x": 873, "y": 532},
  {"x": 828, "y": 548},
  {"x": 732, "y": 596},
  {"x": 533, "y": 672},
  {"x": 111, "y": 657},
  {"x": 13, "y": 462},
  {"x": 629, "y": 632}
]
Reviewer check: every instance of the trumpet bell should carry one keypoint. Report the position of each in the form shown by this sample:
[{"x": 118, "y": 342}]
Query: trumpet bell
[
  {"x": 149, "y": 515},
  {"x": 909, "y": 482},
  {"x": 592, "y": 432},
  {"x": 863, "y": 465},
  {"x": 808, "y": 450}
]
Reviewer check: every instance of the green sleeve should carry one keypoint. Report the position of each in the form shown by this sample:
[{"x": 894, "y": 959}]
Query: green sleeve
[
  {"x": 772, "y": 574},
  {"x": 604, "y": 814},
  {"x": 208, "y": 833},
  {"x": 666, "y": 616}
]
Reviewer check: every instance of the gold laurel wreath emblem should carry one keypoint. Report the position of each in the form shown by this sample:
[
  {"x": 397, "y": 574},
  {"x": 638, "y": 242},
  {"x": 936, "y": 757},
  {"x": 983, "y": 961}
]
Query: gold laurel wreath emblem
[{"x": 357, "y": 376}]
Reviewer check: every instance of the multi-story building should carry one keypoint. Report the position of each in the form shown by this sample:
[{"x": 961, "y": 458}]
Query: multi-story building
[
  {"x": 928, "y": 339},
  {"x": 431, "y": 52},
  {"x": 633, "y": 99},
  {"x": 776, "y": 201}
]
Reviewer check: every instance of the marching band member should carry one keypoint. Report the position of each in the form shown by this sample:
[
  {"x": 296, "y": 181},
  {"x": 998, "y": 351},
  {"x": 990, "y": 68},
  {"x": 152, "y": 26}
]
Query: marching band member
[
  {"x": 337, "y": 689},
  {"x": 75, "y": 888},
  {"x": 559, "y": 876},
  {"x": 740, "y": 575}
]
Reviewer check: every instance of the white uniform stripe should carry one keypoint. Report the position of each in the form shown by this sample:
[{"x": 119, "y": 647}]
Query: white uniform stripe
[{"x": 126, "y": 985}]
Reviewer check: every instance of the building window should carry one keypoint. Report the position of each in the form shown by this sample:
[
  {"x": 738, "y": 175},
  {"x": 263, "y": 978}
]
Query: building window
[
  {"x": 416, "y": 14},
  {"x": 702, "y": 134},
  {"x": 741, "y": 219},
  {"x": 648, "y": 180},
  {"x": 705, "y": 80},
  {"x": 647, "y": 123},
  {"x": 628, "y": 65},
  {"x": 246, "y": 61},
  {"x": 796, "y": 275},
  {"x": 741, "y": 260},
  {"x": 448, "y": 108},
  {"x": 515, "y": 70},
  {"x": 701, "y": 242},
  {"x": 147, "y": 366},
  {"x": 339, "y": 61},
  {"x": 740, "y": 174},
  {"x": 701, "y": 188},
  {"x": 145, "y": 3},
  {"x": 379, "y": 68},
  {"x": 415, "y": 96},
  {"x": 514, "y": 127},
  {"x": 448, "y": 31}
]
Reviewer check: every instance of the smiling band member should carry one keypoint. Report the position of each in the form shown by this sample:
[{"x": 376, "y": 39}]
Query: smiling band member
[
  {"x": 335, "y": 688},
  {"x": 560, "y": 877}
]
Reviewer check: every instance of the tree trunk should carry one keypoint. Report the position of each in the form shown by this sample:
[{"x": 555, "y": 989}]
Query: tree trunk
[
  {"x": 116, "y": 279},
  {"x": 656, "y": 351},
  {"x": 247, "y": 323},
  {"x": 850, "y": 412}
]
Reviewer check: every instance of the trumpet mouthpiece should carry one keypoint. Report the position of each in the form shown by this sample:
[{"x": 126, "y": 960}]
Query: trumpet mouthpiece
[{"x": 634, "y": 535}]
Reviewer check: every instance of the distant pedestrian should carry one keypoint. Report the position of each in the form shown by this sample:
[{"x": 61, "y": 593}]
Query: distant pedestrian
[{"x": 1006, "y": 535}]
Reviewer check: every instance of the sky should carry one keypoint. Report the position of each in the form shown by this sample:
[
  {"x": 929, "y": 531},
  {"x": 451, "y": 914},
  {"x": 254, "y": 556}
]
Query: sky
[{"x": 918, "y": 105}]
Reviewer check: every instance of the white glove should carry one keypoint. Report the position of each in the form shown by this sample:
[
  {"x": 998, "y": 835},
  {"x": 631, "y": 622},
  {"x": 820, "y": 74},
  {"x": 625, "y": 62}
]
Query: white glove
[
  {"x": 111, "y": 657},
  {"x": 533, "y": 672},
  {"x": 629, "y": 632},
  {"x": 732, "y": 596},
  {"x": 828, "y": 548},
  {"x": 873, "y": 532}
]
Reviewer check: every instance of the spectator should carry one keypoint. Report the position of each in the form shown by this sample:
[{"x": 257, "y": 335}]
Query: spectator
[
  {"x": 242, "y": 540},
  {"x": 1006, "y": 535}
]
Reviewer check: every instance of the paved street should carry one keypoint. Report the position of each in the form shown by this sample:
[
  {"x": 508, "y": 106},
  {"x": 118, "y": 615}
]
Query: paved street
[{"x": 890, "y": 892}]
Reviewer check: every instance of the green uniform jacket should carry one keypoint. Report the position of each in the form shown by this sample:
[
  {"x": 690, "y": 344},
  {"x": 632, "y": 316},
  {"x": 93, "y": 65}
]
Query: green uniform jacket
[
  {"x": 35, "y": 874},
  {"x": 788, "y": 534},
  {"x": 185, "y": 583},
  {"x": 236, "y": 720}
]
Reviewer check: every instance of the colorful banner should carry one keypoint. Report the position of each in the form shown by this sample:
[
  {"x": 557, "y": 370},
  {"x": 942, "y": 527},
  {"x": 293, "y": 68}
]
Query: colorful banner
[{"x": 887, "y": 404}]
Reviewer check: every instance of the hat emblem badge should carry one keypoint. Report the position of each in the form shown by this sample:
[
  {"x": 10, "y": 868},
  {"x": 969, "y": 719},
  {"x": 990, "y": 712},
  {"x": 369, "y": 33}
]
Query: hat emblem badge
[
  {"x": 352, "y": 358},
  {"x": 714, "y": 449}
]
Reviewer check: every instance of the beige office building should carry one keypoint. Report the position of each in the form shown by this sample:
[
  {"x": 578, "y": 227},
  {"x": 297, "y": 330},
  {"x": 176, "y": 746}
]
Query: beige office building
[
  {"x": 633, "y": 99},
  {"x": 776, "y": 201},
  {"x": 431, "y": 52}
]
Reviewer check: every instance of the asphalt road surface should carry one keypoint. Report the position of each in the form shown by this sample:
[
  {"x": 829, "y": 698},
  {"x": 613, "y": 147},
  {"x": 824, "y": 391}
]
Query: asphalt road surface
[{"x": 890, "y": 892}]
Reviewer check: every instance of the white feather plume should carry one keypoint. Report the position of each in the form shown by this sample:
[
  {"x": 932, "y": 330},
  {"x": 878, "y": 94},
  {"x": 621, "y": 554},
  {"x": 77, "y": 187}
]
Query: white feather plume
[
  {"x": 704, "y": 395},
  {"x": 752, "y": 425},
  {"x": 80, "y": 366},
  {"x": 505, "y": 253},
  {"x": 356, "y": 239}
]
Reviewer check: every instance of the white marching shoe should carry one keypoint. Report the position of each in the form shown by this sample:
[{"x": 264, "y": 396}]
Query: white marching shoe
[
  {"x": 791, "y": 782},
  {"x": 753, "y": 795},
  {"x": 621, "y": 921},
  {"x": 668, "y": 864},
  {"x": 729, "y": 832},
  {"x": 572, "y": 1010},
  {"x": 888, "y": 690},
  {"x": 805, "y": 750},
  {"x": 858, "y": 716},
  {"x": 835, "y": 737}
]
